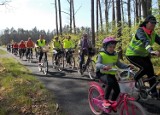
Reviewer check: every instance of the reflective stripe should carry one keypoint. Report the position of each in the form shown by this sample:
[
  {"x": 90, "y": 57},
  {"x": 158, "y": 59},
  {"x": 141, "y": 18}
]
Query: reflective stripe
[{"x": 148, "y": 47}]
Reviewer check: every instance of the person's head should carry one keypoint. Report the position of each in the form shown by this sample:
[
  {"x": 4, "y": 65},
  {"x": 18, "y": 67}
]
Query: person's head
[
  {"x": 41, "y": 37},
  {"x": 149, "y": 22},
  {"x": 85, "y": 35},
  {"x": 56, "y": 38},
  {"x": 69, "y": 37},
  {"x": 21, "y": 41},
  {"x": 29, "y": 39},
  {"x": 109, "y": 44}
]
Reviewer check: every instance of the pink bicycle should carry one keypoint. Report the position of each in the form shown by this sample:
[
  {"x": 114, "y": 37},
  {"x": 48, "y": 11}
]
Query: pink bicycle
[{"x": 126, "y": 104}]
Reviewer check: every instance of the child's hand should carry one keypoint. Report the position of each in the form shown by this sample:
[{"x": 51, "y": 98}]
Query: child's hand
[
  {"x": 107, "y": 68},
  {"x": 131, "y": 66}
]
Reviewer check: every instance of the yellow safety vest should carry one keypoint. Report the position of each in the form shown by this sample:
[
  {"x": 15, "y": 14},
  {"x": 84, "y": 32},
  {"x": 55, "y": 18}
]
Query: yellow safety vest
[{"x": 109, "y": 60}]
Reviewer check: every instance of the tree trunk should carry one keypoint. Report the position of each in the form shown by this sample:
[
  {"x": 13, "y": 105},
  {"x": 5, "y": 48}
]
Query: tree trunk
[
  {"x": 118, "y": 11},
  {"x": 97, "y": 19},
  {"x": 149, "y": 7},
  {"x": 60, "y": 17},
  {"x": 100, "y": 13},
  {"x": 74, "y": 24},
  {"x": 92, "y": 23},
  {"x": 106, "y": 13},
  {"x": 136, "y": 11},
  {"x": 144, "y": 8},
  {"x": 70, "y": 16},
  {"x": 129, "y": 12},
  {"x": 122, "y": 10},
  {"x": 113, "y": 14},
  {"x": 159, "y": 6},
  {"x": 139, "y": 8},
  {"x": 56, "y": 17}
]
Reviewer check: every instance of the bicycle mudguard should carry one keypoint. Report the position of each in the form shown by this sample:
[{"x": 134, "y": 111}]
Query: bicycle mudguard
[{"x": 97, "y": 85}]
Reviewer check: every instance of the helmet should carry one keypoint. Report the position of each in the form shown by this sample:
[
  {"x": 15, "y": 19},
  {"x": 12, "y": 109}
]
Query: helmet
[{"x": 108, "y": 40}]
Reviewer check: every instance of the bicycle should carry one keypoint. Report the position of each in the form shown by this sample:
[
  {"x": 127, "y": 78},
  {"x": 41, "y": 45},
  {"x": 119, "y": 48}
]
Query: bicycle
[
  {"x": 125, "y": 103},
  {"x": 144, "y": 89},
  {"x": 44, "y": 65},
  {"x": 29, "y": 55},
  {"x": 59, "y": 62},
  {"x": 69, "y": 59},
  {"x": 21, "y": 53},
  {"x": 89, "y": 66}
]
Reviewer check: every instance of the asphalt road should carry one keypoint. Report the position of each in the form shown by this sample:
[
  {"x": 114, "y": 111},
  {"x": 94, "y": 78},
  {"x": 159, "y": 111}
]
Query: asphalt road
[{"x": 70, "y": 90}]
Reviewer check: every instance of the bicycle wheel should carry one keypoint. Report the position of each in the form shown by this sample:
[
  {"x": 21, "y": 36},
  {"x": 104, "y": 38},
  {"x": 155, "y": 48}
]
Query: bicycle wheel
[
  {"x": 132, "y": 108},
  {"x": 72, "y": 62},
  {"x": 92, "y": 94},
  {"x": 60, "y": 65},
  {"x": 91, "y": 69},
  {"x": 45, "y": 67},
  {"x": 53, "y": 61}
]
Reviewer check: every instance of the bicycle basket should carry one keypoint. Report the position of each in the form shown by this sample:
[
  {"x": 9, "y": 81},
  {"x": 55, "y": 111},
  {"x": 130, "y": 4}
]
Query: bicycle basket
[
  {"x": 45, "y": 48},
  {"x": 127, "y": 86}
]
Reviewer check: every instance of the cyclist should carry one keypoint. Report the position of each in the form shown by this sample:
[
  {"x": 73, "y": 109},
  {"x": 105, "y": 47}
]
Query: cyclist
[
  {"x": 84, "y": 46},
  {"x": 57, "y": 46},
  {"x": 29, "y": 45},
  {"x": 15, "y": 48},
  {"x": 41, "y": 42},
  {"x": 108, "y": 59},
  {"x": 22, "y": 48},
  {"x": 140, "y": 48},
  {"x": 67, "y": 46}
]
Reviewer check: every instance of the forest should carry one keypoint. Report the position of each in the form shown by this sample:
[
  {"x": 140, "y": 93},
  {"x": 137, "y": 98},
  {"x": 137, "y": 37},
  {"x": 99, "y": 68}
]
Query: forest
[{"x": 126, "y": 15}]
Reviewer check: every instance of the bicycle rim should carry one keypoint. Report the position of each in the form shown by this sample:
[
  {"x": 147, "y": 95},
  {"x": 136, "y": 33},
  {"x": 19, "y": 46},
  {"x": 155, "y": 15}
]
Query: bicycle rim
[
  {"x": 91, "y": 69},
  {"x": 60, "y": 63},
  {"x": 72, "y": 62},
  {"x": 53, "y": 61},
  {"x": 133, "y": 108},
  {"x": 45, "y": 64},
  {"x": 93, "y": 93}
]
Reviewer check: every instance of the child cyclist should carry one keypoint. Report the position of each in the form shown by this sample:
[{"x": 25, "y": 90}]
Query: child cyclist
[{"x": 108, "y": 59}]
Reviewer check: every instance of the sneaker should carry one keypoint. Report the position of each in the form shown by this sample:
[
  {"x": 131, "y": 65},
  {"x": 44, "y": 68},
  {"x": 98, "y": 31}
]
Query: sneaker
[
  {"x": 113, "y": 105},
  {"x": 81, "y": 71},
  {"x": 106, "y": 104}
]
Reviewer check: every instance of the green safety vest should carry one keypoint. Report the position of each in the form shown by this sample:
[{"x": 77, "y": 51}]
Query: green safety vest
[
  {"x": 136, "y": 47},
  {"x": 67, "y": 44},
  {"x": 56, "y": 44},
  {"x": 109, "y": 60},
  {"x": 41, "y": 43}
]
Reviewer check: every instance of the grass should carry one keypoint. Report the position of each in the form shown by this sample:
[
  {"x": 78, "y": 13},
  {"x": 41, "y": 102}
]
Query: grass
[
  {"x": 2, "y": 52},
  {"x": 21, "y": 93}
]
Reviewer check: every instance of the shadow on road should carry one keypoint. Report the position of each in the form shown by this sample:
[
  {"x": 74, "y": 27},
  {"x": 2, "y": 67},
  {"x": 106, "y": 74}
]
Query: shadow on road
[{"x": 151, "y": 106}]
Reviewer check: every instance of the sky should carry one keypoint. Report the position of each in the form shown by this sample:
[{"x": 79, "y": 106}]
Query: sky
[{"x": 27, "y": 14}]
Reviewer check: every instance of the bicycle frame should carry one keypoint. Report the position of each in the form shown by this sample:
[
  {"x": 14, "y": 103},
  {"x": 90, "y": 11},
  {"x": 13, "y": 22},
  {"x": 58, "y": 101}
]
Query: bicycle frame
[
  {"x": 145, "y": 89},
  {"x": 123, "y": 98}
]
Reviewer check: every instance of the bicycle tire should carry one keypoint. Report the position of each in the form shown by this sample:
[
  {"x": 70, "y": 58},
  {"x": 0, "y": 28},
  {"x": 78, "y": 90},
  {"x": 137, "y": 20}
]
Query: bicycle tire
[
  {"x": 133, "y": 108},
  {"x": 45, "y": 66},
  {"x": 73, "y": 62},
  {"x": 53, "y": 61},
  {"x": 60, "y": 65},
  {"x": 96, "y": 110},
  {"x": 91, "y": 69}
]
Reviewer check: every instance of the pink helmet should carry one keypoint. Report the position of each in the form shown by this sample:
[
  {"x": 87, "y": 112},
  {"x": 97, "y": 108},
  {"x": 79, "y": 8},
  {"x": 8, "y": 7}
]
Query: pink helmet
[{"x": 108, "y": 40}]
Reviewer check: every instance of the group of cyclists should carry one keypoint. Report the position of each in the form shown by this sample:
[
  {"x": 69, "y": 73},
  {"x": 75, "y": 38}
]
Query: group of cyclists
[
  {"x": 23, "y": 48},
  {"x": 138, "y": 53}
]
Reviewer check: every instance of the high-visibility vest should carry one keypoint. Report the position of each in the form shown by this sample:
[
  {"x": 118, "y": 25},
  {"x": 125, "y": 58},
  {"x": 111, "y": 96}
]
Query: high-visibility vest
[
  {"x": 56, "y": 44},
  {"x": 109, "y": 60},
  {"x": 41, "y": 43},
  {"x": 137, "y": 48}
]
